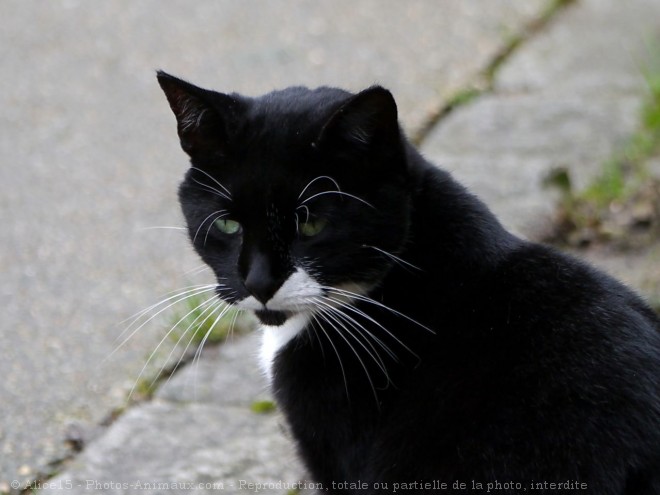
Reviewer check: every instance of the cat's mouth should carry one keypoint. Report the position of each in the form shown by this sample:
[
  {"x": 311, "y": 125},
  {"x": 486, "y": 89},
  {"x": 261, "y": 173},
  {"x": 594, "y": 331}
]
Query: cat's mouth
[{"x": 272, "y": 318}]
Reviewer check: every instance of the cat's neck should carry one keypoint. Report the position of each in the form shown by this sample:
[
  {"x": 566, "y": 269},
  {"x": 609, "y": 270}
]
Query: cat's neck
[
  {"x": 452, "y": 231},
  {"x": 455, "y": 244}
]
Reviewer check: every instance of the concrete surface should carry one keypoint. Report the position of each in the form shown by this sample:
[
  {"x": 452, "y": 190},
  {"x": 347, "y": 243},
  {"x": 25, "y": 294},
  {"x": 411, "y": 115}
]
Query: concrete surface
[
  {"x": 198, "y": 430},
  {"x": 90, "y": 163}
]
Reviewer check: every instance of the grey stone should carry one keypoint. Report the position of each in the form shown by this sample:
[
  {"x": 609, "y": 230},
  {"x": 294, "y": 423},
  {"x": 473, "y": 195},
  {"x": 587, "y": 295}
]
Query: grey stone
[
  {"x": 199, "y": 430},
  {"x": 225, "y": 375},
  {"x": 172, "y": 447}
]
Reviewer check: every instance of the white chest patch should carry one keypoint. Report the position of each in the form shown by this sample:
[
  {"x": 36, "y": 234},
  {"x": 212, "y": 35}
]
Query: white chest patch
[{"x": 275, "y": 338}]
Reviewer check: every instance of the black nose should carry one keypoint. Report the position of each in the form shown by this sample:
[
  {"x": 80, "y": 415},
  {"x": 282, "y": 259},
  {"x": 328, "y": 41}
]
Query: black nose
[{"x": 260, "y": 281}]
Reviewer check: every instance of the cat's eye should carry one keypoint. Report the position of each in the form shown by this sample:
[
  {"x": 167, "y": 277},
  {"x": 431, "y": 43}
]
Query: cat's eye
[
  {"x": 227, "y": 226},
  {"x": 311, "y": 227}
]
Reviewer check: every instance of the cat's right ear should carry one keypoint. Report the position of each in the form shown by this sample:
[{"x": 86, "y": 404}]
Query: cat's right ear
[
  {"x": 203, "y": 117},
  {"x": 367, "y": 125}
]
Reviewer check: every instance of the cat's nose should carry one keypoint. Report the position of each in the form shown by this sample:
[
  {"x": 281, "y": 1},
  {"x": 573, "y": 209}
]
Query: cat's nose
[
  {"x": 261, "y": 289},
  {"x": 259, "y": 281}
]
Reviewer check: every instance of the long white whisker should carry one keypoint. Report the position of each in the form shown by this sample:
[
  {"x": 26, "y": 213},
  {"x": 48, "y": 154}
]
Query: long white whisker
[
  {"x": 341, "y": 364},
  {"x": 352, "y": 322},
  {"x": 338, "y": 316},
  {"x": 208, "y": 230},
  {"x": 217, "y": 214},
  {"x": 314, "y": 180},
  {"x": 394, "y": 257},
  {"x": 174, "y": 293},
  {"x": 359, "y": 312},
  {"x": 162, "y": 341},
  {"x": 223, "y": 309},
  {"x": 322, "y": 193},
  {"x": 198, "y": 269},
  {"x": 306, "y": 211},
  {"x": 179, "y": 296},
  {"x": 230, "y": 334},
  {"x": 357, "y": 354},
  {"x": 369, "y": 300},
  {"x": 162, "y": 227},
  {"x": 318, "y": 339},
  {"x": 212, "y": 190},
  {"x": 198, "y": 353},
  {"x": 209, "y": 303},
  {"x": 379, "y": 341},
  {"x": 227, "y": 191}
]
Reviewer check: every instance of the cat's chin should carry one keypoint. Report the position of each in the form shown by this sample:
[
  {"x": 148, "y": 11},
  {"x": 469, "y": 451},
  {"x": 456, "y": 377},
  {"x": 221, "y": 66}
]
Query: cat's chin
[{"x": 272, "y": 318}]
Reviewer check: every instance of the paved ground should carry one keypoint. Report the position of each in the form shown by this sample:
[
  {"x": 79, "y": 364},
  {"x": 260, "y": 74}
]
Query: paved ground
[{"x": 90, "y": 160}]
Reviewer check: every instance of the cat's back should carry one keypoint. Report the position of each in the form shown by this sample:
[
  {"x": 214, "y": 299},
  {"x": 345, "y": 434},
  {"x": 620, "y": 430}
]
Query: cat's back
[
  {"x": 551, "y": 295},
  {"x": 558, "y": 374},
  {"x": 576, "y": 329},
  {"x": 574, "y": 355}
]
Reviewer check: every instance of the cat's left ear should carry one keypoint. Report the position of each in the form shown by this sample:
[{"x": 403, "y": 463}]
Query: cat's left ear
[
  {"x": 203, "y": 117},
  {"x": 367, "y": 120}
]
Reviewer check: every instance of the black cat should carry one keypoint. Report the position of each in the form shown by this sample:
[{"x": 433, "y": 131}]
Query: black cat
[{"x": 412, "y": 342}]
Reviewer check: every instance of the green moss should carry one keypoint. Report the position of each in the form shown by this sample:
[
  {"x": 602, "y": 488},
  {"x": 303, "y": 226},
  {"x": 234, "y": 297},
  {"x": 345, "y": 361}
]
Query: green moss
[
  {"x": 194, "y": 321},
  {"x": 458, "y": 99},
  {"x": 612, "y": 185},
  {"x": 623, "y": 196},
  {"x": 483, "y": 81},
  {"x": 513, "y": 40},
  {"x": 198, "y": 319},
  {"x": 464, "y": 97},
  {"x": 144, "y": 389},
  {"x": 262, "y": 406}
]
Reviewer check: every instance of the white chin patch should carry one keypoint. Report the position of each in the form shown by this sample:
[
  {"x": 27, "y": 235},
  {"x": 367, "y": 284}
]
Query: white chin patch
[
  {"x": 274, "y": 339},
  {"x": 296, "y": 296}
]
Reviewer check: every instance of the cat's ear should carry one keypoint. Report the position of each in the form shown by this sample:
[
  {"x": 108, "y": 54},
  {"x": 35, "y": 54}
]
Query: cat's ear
[
  {"x": 203, "y": 117},
  {"x": 368, "y": 119}
]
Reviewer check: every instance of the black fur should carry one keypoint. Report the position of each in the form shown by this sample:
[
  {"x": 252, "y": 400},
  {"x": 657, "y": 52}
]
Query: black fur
[{"x": 522, "y": 367}]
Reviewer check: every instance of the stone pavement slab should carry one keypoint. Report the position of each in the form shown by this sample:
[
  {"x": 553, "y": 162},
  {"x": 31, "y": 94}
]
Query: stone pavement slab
[
  {"x": 90, "y": 162},
  {"x": 199, "y": 433}
]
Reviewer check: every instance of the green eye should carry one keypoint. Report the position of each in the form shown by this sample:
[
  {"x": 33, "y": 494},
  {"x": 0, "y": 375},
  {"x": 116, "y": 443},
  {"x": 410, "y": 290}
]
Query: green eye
[
  {"x": 227, "y": 226},
  {"x": 311, "y": 228}
]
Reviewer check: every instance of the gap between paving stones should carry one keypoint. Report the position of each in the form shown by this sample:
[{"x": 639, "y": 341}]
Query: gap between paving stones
[{"x": 484, "y": 81}]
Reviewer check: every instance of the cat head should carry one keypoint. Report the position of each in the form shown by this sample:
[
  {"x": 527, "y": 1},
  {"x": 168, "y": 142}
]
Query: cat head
[{"x": 296, "y": 199}]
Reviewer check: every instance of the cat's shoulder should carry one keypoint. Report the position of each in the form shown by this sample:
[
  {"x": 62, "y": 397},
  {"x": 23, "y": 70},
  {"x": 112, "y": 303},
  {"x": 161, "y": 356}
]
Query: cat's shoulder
[
  {"x": 567, "y": 307},
  {"x": 563, "y": 281}
]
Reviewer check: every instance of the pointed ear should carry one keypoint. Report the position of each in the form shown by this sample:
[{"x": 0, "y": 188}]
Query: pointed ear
[
  {"x": 367, "y": 119},
  {"x": 202, "y": 116}
]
